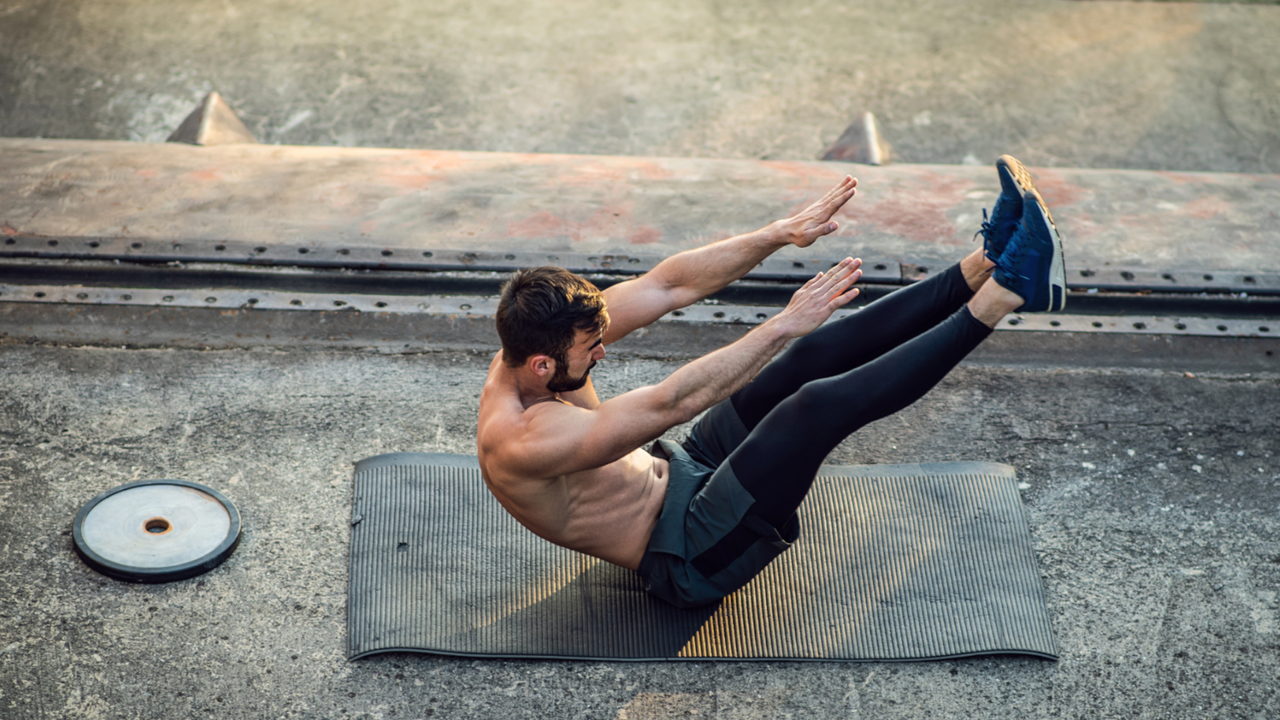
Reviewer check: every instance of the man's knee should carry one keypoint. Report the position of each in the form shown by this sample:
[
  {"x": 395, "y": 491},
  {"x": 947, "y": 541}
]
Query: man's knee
[{"x": 817, "y": 399}]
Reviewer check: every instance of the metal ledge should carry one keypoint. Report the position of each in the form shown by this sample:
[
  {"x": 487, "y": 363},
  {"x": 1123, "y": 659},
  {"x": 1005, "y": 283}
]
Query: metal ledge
[
  {"x": 320, "y": 254},
  {"x": 207, "y": 328},
  {"x": 486, "y": 306},
  {"x": 316, "y": 255},
  {"x": 1175, "y": 281}
]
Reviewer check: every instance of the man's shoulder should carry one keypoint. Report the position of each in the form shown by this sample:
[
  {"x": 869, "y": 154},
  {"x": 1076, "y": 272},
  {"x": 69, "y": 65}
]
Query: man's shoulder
[
  {"x": 505, "y": 420},
  {"x": 534, "y": 442}
]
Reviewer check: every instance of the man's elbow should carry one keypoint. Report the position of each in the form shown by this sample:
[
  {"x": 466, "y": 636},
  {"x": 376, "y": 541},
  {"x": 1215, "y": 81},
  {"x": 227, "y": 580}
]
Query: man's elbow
[
  {"x": 680, "y": 290},
  {"x": 673, "y": 407},
  {"x": 687, "y": 409}
]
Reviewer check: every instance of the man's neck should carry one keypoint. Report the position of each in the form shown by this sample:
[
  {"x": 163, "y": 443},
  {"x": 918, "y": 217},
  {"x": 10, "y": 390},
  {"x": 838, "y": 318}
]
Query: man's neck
[{"x": 531, "y": 391}]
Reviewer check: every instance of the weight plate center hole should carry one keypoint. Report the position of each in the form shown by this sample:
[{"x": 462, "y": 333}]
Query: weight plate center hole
[{"x": 157, "y": 526}]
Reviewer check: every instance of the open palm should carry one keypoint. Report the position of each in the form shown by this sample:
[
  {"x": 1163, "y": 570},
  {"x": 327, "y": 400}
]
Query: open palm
[{"x": 813, "y": 222}]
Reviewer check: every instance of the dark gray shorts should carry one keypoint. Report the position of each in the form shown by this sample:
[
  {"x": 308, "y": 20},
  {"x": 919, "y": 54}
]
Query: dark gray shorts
[{"x": 704, "y": 503}]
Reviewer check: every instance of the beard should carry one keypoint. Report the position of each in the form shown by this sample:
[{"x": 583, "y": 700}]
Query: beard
[{"x": 562, "y": 382}]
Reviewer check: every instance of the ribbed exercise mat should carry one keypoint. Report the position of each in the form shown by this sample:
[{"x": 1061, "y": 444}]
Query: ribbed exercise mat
[{"x": 894, "y": 562}]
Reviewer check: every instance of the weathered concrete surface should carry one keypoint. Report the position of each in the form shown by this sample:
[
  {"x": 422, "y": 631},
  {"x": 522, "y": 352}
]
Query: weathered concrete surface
[
  {"x": 1162, "y": 578},
  {"x": 1153, "y": 499},
  {"x": 1171, "y": 86},
  {"x": 323, "y": 199},
  {"x": 148, "y": 327}
]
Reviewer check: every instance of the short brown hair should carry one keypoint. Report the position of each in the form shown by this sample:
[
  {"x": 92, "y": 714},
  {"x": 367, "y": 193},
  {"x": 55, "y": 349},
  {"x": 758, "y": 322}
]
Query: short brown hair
[{"x": 541, "y": 308}]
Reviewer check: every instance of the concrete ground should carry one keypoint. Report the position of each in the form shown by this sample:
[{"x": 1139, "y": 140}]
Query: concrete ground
[
  {"x": 1153, "y": 502},
  {"x": 1172, "y": 86},
  {"x": 1154, "y": 494}
]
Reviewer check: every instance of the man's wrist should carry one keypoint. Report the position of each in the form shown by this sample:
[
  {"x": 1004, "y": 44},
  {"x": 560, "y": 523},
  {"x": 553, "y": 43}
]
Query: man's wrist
[
  {"x": 780, "y": 233},
  {"x": 779, "y": 328}
]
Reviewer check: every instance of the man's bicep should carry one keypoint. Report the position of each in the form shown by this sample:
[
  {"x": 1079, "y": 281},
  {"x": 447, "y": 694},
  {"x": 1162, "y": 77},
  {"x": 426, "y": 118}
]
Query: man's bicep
[
  {"x": 630, "y": 421},
  {"x": 641, "y": 302},
  {"x": 577, "y": 439}
]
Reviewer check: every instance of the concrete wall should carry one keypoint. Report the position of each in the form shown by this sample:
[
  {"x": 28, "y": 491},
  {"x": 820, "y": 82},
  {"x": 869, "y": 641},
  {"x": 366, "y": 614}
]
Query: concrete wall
[{"x": 1183, "y": 86}]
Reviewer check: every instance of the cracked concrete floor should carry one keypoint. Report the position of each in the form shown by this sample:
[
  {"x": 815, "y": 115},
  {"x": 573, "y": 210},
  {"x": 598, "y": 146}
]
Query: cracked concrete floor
[
  {"x": 1153, "y": 496},
  {"x": 1153, "y": 501}
]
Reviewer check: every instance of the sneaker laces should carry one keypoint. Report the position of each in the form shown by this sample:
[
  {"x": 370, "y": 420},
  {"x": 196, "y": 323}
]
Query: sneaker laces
[
  {"x": 1014, "y": 248},
  {"x": 988, "y": 227}
]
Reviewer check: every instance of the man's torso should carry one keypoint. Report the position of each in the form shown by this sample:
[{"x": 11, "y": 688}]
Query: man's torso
[{"x": 607, "y": 512}]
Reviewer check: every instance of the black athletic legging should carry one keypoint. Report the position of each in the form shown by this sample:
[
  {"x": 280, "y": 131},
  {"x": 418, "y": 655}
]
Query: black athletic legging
[{"x": 842, "y": 376}]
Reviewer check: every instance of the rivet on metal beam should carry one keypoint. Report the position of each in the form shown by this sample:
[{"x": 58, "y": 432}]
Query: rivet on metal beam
[
  {"x": 212, "y": 123},
  {"x": 860, "y": 143}
]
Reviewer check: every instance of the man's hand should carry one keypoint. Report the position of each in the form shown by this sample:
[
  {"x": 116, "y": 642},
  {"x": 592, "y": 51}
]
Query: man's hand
[
  {"x": 803, "y": 228},
  {"x": 817, "y": 299},
  {"x": 692, "y": 275}
]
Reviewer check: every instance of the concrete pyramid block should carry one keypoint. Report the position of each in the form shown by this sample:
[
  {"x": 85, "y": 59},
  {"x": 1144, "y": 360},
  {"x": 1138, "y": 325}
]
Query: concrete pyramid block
[
  {"x": 212, "y": 123},
  {"x": 860, "y": 143}
]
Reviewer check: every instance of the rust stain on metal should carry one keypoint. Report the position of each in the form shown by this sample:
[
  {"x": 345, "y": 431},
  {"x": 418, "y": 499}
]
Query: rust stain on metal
[
  {"x": 587, "y": 173},
  {"x": 206, "y": 175},
  {"x": 540, "y": 224},
  {"x": 611, "y": 221},
  {"x": 645, "y": 235},
  {"x": 1206, "y": 207},
  {"x": 273, "y": 195},
  {"x": 918, "y": 209},
  {"x": 1082, "y": 226},
  {"x": 1210, "y": 179},
  {"x": 1057, "y": 191},
  {"x": 409, "y": 180},
  {"x": 804, "y": 180},
  {"x": 653, "y": 171},
  {"x": 440, "y": 161}
]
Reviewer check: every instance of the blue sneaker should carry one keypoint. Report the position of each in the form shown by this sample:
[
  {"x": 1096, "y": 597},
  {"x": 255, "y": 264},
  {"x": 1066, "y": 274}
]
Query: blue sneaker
[
  {"x": 1032, "y": 264},
  {"x": 1015, "y": 182}
]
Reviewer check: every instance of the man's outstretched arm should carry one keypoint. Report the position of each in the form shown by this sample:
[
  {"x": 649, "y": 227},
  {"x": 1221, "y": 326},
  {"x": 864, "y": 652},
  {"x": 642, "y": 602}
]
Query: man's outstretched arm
[
  {"x": 561, "y": 439},
  {"x": 692, "y": 275}
]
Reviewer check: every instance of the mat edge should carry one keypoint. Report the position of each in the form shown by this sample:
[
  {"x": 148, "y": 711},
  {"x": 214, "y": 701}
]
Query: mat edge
[
  {"x": 958, "y": 467},
  {"x": 597, "y": 658},
  {"x": 417, "y": 458},
  {"x": 907, "y": 469}
]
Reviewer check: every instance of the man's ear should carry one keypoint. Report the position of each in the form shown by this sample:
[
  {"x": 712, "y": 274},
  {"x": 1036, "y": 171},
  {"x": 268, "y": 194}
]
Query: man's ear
[{"x": 541, "y": 365}]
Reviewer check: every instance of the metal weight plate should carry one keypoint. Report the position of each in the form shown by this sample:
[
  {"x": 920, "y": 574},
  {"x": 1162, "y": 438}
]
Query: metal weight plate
[{"x": 156, "y": 531}]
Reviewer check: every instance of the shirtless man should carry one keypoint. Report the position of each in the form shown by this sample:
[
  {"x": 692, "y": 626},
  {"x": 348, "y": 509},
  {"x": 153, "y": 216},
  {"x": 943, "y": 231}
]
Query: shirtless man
[{"x": 699, "y": 519}]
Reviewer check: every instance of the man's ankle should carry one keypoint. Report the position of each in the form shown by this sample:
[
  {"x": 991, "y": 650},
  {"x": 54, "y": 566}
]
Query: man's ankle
[
  {"x": 976, "y": 269},
  {"x": 992, "y": 303}
]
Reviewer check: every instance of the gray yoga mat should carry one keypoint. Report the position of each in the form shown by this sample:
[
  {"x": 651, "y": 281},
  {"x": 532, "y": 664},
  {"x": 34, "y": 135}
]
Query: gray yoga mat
[{"x": 894, "y": 562}]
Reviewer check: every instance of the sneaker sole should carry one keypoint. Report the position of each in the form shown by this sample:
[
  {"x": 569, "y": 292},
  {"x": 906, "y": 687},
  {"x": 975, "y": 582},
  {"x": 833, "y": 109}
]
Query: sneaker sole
[
  {"x": 1058, "y": 267},
  {"x": 1022, "y": 178}
]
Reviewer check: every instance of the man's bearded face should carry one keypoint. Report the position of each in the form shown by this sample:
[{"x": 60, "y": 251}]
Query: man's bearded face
[{"x": 561, "y": 381}]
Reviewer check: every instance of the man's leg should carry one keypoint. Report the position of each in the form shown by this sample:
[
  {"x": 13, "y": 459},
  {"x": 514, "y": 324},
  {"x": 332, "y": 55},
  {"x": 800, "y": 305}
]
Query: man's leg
[
  {"x": 863, "y": 336},
  {"x": 778, "y": 460},
  {"x": 866, "y": 335},
  {"x": 837, "y": 348}
]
